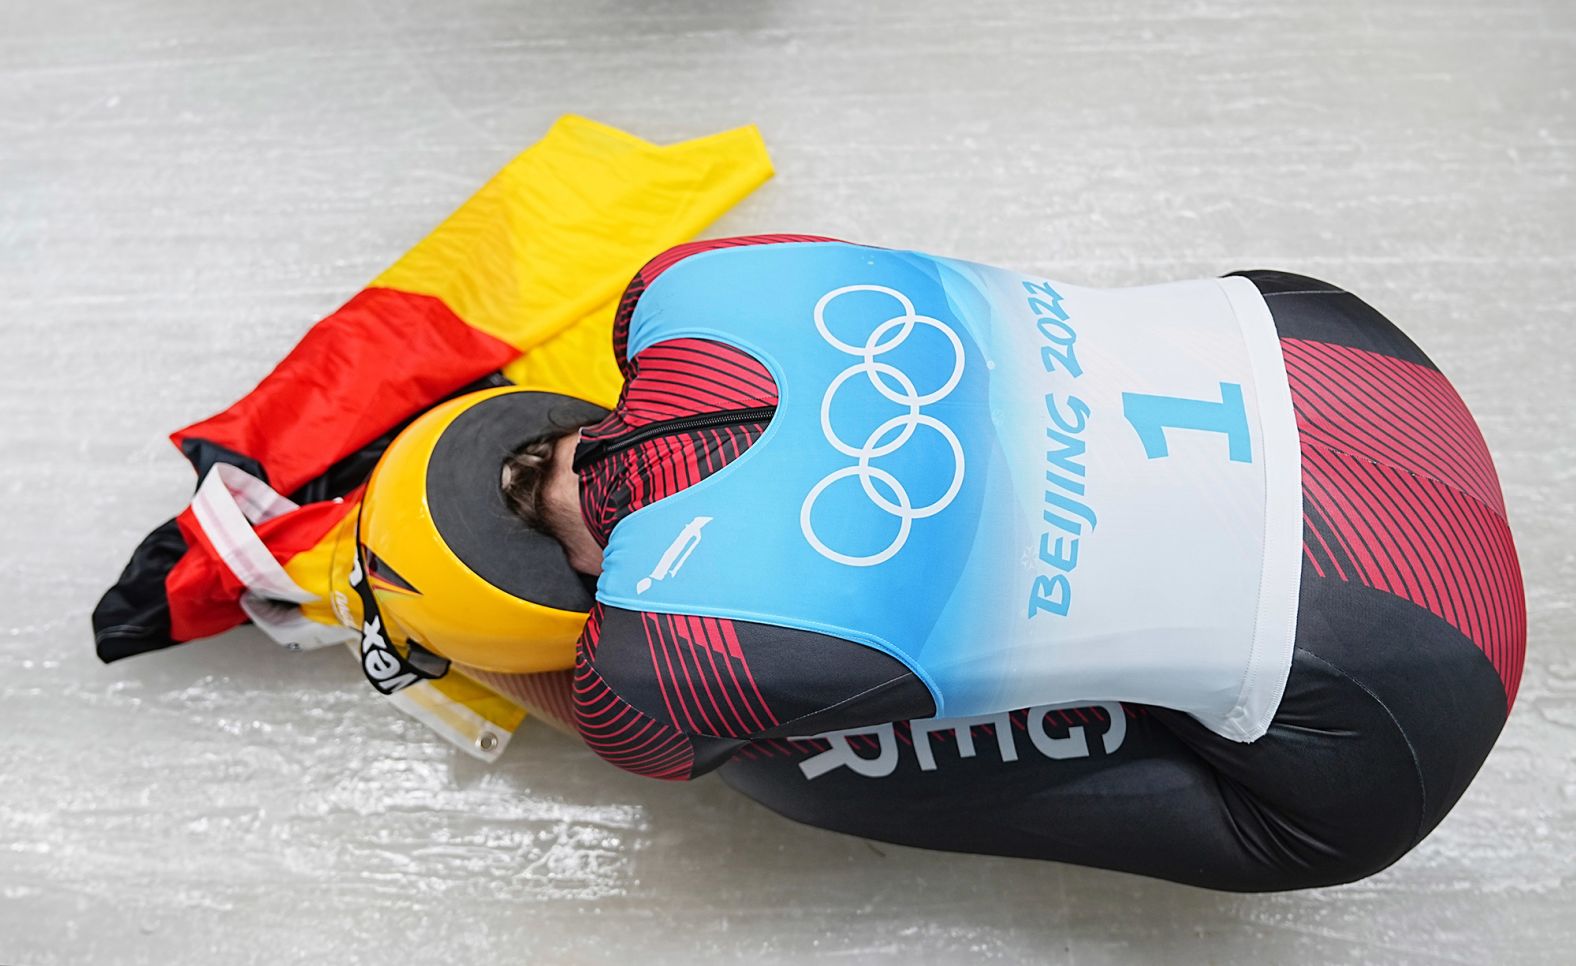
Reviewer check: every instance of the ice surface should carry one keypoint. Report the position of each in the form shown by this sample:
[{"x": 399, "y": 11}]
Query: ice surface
[{"x": 185, "y": 185}]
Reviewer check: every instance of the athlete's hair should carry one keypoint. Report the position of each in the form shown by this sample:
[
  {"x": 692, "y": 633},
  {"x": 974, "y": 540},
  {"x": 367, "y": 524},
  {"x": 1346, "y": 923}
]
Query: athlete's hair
[{"x": 525, "y": 475}]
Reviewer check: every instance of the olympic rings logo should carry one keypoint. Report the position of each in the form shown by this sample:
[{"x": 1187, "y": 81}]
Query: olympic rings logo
[{"x": 882, "y": 339}]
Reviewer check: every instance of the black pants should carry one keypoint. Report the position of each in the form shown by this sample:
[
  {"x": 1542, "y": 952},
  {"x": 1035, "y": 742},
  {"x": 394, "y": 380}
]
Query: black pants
[{"x": 1410, "y": 634}]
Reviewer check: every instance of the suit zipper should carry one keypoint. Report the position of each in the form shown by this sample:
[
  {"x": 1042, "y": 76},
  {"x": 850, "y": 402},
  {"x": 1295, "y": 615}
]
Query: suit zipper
[{"x": 603, "y": 448}]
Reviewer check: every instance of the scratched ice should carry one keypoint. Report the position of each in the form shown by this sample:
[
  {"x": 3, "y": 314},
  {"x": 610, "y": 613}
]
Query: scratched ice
[{"x": 185, "y": 186}]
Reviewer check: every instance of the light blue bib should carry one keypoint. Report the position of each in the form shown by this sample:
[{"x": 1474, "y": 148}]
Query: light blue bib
[{"x": 935, "y": 483}]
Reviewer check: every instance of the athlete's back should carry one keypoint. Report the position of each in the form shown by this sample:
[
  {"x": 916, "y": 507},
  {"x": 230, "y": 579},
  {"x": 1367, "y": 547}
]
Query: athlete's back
[{"x": 1401, "y": 678}]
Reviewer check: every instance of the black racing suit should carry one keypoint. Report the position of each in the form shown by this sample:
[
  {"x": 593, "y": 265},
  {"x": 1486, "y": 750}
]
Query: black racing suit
[{"x": 1410, "y": 636}]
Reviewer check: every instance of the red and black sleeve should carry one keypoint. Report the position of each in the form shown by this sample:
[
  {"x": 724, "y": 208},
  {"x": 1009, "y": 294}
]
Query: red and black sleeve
[{"x": 675, "y": 696}]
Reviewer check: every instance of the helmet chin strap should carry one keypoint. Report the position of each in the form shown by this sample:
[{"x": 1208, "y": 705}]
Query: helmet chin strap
[{"x": 387, "y": 669}]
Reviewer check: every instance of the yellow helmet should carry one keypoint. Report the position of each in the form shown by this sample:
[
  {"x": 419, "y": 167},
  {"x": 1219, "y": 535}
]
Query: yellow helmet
[{"x": 444, "y": 566}]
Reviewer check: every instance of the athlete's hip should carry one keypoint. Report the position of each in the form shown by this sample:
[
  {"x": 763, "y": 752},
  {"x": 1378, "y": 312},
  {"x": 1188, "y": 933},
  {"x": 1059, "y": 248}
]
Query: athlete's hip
[{"x": 1399, "y": 491}]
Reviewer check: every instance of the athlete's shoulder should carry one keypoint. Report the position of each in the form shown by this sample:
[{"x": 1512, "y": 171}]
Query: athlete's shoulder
[
  {"x": 678, "y": 253},
  {"x": 664, "y": 262},
  {"x": 699, "y": 688}
]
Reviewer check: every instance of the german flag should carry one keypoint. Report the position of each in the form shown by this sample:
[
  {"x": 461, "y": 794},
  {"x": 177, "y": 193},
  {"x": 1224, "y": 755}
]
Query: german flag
[{"x": 518, "y": 285}]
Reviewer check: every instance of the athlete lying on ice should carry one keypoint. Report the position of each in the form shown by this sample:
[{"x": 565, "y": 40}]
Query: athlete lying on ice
[
  {"x": 1217, "y": 573},
  {"x": 1207, "y": 581}
]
